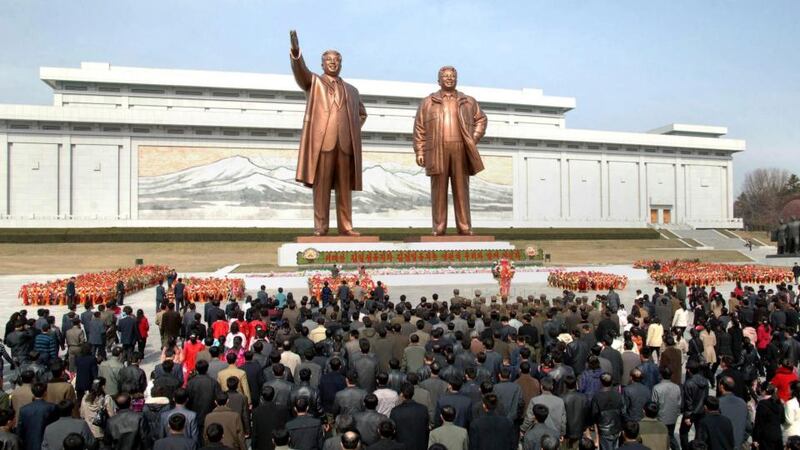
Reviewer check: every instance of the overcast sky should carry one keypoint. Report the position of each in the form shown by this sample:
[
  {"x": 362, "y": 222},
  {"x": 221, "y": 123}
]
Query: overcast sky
[{"x": 632, "y": 65}]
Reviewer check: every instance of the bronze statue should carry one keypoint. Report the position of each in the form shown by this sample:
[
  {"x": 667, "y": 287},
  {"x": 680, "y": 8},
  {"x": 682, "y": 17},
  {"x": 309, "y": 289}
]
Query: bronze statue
[
  {"x": 780, "y": 237},
  {"x": 330, "y": 145},
  {"x": 792, "y": 237},
  {"x": 447, "y": 129}
]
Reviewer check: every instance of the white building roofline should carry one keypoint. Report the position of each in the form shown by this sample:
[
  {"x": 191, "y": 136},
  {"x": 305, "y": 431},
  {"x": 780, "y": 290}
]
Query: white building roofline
[
  {"x": 107, "y": 73},
  {"x": 53, "y": 114},
  {"x": 692, "y": 129}
]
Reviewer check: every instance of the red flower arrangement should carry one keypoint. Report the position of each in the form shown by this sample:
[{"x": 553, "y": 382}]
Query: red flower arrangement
[
  {"x": 316, "y": 283},
  {"x": 583, "y": 281},
  {"x": 503, "y": 271},
  {"x": 201, "y": 290},
  {"x": 99, "y": 287},
  {"x": 692, "y": 272}
]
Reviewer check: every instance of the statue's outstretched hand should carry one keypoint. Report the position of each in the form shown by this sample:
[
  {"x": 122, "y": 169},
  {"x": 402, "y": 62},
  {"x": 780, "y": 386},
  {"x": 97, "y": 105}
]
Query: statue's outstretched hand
[{"x": 295, "y": 42}]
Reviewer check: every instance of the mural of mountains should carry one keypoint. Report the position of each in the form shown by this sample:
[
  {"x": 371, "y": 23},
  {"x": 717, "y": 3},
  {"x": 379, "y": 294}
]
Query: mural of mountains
[{"x": 240, "y": 188}]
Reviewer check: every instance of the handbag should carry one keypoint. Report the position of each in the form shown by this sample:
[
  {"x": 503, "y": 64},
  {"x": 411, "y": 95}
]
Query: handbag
[{"x": 101, "y": 417}]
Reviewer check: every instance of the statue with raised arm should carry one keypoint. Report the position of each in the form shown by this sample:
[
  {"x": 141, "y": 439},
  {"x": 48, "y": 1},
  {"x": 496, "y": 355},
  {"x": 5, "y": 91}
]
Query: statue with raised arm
[
  {"x": 330, "y": 144},
  {"x": 447, "y": 129}
]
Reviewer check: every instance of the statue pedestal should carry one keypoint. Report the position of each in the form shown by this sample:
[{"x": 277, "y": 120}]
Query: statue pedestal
[
  {"x": 288, "y": 252},
  {"x": 450, "y": 238},
  {"x": 335, "y": 239}
]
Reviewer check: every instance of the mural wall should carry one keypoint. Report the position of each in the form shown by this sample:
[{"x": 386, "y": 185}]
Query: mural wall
[{"x": 233, "y": 183}]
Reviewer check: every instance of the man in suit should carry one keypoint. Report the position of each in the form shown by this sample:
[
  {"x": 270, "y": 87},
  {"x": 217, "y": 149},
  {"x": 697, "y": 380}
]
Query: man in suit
[
  {"x": 330, "y": 145},
  {"x": 170, "y": 324},
  {"x": 75, "y": 338},
  {"x": 233, "y": 435},
  {"x": 56, "y": 432},
  {"x": 447, "y": 129},
  {"x": 715, "y": 429},
  {"x": 411, "y": 419},
  {"x": 451, "y": 436},
  {"x": 267, "y": 417},
  {"x": 461, "y": 403},
  {"x": 96, "y": 333},
  {"x": 201, "y": 392},
  {"x": 190, "y": 428},
  {"x": 71, "y": 292},
  {"x": 491, "y": 430},
  {"x": 120, "y": 292},
  {"x": 176, "y": 438},
  {"x": 161, "y": 295},
  {"x": 232, "y": 371},
  {"x": 179, "y": 291},
  {"x": 128, "y": 333},
  {"x": 35, "y": 417}
]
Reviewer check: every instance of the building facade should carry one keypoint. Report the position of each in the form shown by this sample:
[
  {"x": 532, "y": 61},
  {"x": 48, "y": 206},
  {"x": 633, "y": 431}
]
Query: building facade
[{"x": 125, "y": 146}]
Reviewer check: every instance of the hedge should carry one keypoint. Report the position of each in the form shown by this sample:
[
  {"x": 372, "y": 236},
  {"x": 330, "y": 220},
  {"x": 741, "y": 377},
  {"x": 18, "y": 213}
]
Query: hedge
[{"x": 69, "y": 235}]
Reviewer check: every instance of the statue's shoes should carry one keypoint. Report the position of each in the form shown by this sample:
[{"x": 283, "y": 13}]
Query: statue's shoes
[{"x": 350, "y": 233}]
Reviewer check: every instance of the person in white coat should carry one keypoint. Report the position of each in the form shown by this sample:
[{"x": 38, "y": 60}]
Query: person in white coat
[{"x": 792, "y": 412}]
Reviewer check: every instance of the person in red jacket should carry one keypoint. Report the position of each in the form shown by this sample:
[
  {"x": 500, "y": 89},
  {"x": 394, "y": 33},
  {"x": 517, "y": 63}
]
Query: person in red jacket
[
  {"x": 783, "y": 379},
  {"x": 219, "y": 329},
  {"x": 764, "y": 334},
  {"x": 190, "y": 350},
  {"x": 144, "y": 329}
]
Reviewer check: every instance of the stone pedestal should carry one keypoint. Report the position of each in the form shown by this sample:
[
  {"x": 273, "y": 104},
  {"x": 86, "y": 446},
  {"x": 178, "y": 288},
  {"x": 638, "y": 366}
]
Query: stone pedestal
[
  {"x": 287, "y": 253},
  {"x": 335, "y": 239},
  {"x": 450, "y": 238}
]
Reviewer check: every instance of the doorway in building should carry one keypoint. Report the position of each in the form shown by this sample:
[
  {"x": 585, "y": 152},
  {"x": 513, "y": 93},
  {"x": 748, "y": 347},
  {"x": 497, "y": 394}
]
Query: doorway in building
[{"x": 661, "y": 214}]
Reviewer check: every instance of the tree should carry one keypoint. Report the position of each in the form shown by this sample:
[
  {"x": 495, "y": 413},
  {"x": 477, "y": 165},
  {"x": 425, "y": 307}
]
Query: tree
[{"x": 764, "y": 193}]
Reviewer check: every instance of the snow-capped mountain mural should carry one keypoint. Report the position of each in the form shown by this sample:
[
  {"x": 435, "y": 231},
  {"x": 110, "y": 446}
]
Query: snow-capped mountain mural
[{"x": 249, "y": 187}]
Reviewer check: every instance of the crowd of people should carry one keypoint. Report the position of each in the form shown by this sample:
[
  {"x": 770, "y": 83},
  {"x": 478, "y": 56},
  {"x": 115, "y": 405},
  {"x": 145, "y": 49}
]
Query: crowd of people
[{"x": 682, "y": 368}]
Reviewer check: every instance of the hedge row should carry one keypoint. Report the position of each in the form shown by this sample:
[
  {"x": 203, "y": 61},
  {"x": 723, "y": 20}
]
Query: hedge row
[{"x": 67, "y": 235}]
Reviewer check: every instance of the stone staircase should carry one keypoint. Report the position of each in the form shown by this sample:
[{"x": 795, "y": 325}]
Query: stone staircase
[{"x": 712, "y": 238}]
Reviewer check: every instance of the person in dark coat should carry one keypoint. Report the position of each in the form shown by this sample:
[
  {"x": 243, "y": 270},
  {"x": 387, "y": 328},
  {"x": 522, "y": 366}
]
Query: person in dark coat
[
  {"x": 127, "y": 429},
  {"x": 491, "y": 431},
  {"x": 305, "y": 429},
  {"x": 170, "y": 324},
  {"x": 176, "y": 439},
  {"x": 96, "y": 335},
  {"x": 70, "y": 293},
  {"x": 461, "y": 403},
  {"x": 215, "y": 432},
  {"x": 576, "y": 406},
  {"x": 387, "y": 432},
  {"x": 85, "y": 370},
  {"x": 120, "y": 292},
  {"x": 715, "y": 429},
  {"x": 411, "y": 419},
  {"x": 35, "y": 417},
  {"x": 615, "y": 357},
  {"x": 330, "y": 383},
  {"x": 378, "y": 293},
  {"x": 635, "y": 395},
  {"x": 56, "y": 432},
  {"x": 202, "y": 391},
  {"x": 132, "y": 378},
  {"x": 180, "y": 298},
  {"x": 267, "y": 418},
  {"x": 128, "y": 333},
  {"x": 767, "y": 431},
  {"x": 630, "y": 437}
]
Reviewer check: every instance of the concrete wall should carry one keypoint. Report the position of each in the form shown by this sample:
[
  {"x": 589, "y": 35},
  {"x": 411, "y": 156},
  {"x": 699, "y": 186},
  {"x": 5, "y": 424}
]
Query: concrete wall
[{"x": 94, "y": 179}]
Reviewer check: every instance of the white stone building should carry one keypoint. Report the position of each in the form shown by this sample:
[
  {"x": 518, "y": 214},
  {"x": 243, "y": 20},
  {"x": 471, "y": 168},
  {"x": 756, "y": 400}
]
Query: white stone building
[{"x": 124, "y": 146}]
